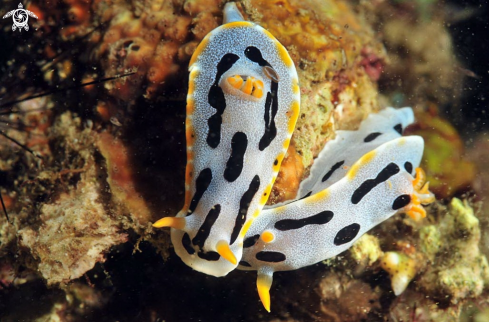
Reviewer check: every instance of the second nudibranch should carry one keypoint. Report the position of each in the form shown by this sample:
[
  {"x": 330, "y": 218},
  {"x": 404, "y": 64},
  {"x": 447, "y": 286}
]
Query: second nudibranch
[
  {"x": 327, "y": 223},
  {"x": 242, "y": 106}
]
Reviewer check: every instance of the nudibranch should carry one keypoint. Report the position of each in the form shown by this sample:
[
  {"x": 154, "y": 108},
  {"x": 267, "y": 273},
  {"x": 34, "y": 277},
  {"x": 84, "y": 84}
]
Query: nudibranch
[
  {"x": 242, "y": 105},
  {"x": 326, "y": 223}
]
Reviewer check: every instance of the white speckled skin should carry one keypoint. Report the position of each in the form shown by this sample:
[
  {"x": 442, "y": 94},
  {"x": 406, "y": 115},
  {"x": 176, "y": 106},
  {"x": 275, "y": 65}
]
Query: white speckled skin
[
  {"x": 243, "y": 113},
  {"x": 313, "y": 243}
]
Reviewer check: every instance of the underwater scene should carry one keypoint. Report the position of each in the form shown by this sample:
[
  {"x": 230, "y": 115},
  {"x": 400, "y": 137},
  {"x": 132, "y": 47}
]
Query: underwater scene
[{"x": 248, "y": 160}]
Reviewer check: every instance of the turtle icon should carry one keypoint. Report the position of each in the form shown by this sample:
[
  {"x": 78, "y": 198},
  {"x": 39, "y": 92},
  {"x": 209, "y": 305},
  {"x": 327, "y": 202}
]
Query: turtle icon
[{"x": 20, "y": 17}]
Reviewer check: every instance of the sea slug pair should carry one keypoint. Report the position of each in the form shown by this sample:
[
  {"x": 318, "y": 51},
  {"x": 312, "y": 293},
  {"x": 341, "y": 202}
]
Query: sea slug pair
[{"x": 242, "y": 106}]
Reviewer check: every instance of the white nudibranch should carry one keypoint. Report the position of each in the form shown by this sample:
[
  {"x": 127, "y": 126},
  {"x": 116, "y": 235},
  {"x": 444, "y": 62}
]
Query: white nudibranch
[
  {"x": 321, "y": 226},
  {"x": 242, "y": 106}
]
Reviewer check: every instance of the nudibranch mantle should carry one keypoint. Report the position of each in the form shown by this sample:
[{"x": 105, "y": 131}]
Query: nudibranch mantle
[{"x": 242, "y": 106}]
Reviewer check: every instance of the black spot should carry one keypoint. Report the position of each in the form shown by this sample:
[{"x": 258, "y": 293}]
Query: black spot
[
  {"x": 254, "y": 54},
  {"x": 245, "y": 264},
  {"x": 371, "y": 137},
  {"x": 401, "y": 202},
  {"x": 217, "y": 100},
  {"x": 272, "y": 257},
  {"x": 320, "y": 219},
  {"x": 244, "y": 204},
  {"x": 206, "y": 227},
  {"x": 234, "y": 166},
  {"x": 210, "y": 256},
  {"x": 390, "y": 170},
  {"x": 398, "y": 128},
  {"x": 275, "y": 162},
  {"x": 271, "y": 108},
  {"x": 187, "y": 245},
  {"x": 306, "y": 195},
  {"x": 250, "y": 241},
  {"x": 201, "y": 184},
  {"x": 335, "y": 167},
  {"x": 347, "y": 234},
  {"x": 409, "y": 167}
]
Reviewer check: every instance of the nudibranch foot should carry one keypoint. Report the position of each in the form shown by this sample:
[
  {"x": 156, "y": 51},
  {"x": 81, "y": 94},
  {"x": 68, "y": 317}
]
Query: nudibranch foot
[
  {"x": 263, "y": 285},
  {"x": 420, "y": 196}
]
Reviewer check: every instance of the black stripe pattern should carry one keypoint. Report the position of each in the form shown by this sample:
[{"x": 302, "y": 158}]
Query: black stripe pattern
[
  {"x": 335, "y": 167},
  {"x": 319, "y": 219},
  {"x": 187, "y": 244},
  {"x": 367, "y": 186},
  {"x": 201, "y": 184},
  {"x": 217, "y": 100},
  {"x": 272, "y": 257},
  {"x": 398, "y": 128},
  {"x": 401, "y": 202},
  {"x": 209, "y": 256},
  {"x": 409, "y": 167},
  {"x": 371, "y": 137},
  {"x": 234, "y": 166},
  {"x": 346, "y": 234},
  {"x": 250, "y": 241},
  {"x": 244, "y": 204},
  {"x": 205, "y": 229},
  {"x": 271, "y": 102},
  {"x": 271, "y": 108}
]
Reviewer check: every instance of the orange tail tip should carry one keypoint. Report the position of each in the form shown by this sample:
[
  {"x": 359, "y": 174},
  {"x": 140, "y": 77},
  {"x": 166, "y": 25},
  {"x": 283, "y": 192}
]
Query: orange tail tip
[
  {"x": 173, "y": 222},
  {"x": 224, "y": 250},
  {"x": 263, "y": 285}
]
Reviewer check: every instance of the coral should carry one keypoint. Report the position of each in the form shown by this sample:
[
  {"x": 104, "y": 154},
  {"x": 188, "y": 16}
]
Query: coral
[
  {"x": 459, "y": 270},
  {"x": 366, "y": 251},
  {"x": 430, "y": 238},
  {"x": 413, "y": 306},
  {"x": 344, "y": 299},
  {"x": 150, "y": 39},
  {"x": 76, "y": 232},
  {"x": 75, "y": 228}
]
